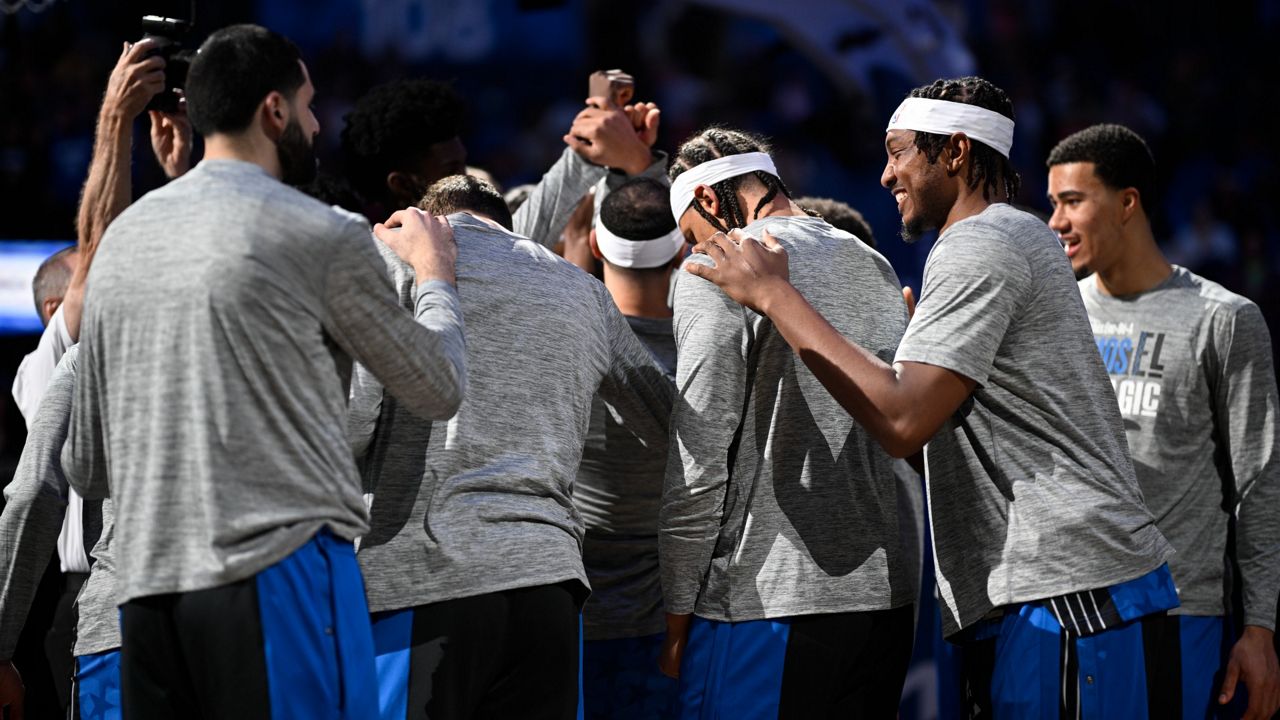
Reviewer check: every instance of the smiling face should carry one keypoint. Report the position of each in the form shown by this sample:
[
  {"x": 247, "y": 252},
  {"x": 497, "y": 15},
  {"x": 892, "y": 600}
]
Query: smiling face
[
  {"x": 1088, "y": 216},
  {"x": 917, "y": 185}
]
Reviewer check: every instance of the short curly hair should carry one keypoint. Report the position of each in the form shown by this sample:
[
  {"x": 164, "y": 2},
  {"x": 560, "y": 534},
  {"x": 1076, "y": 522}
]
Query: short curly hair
[
  {"x": 1120, "y": 157},
  {"x": 394, "y": 126},
  {"x": 988, "y": 166},
  {"x": 839, "y": 215}
]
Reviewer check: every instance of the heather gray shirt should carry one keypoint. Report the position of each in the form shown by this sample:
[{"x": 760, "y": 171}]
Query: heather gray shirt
[
  {"x": 97, "y": 619},
  {"x": 776, "y": 502},
  {"x": 221, "y": 314},
  {"x": 545, "y": 214},
  {"x": 483, "y": 503},
  {"x": 35, "y": 502},
  {"x": 618, "y": 492},
  {"x": 1191, "y": 365},
  {"x": 1031, "y": 491}
]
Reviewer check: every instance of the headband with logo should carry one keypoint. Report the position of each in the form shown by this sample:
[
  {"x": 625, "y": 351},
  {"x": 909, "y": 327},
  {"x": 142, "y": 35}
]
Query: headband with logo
[
  {"x": 710, "y": 173},
  {"x": 944, "y": 117}
]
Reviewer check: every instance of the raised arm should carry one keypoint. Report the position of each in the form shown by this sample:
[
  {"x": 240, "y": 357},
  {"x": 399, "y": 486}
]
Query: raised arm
[
  {"x": 598, "y": 140},
  {"x": 135, "y": 79},
  {"x": 901, "y": 405}
]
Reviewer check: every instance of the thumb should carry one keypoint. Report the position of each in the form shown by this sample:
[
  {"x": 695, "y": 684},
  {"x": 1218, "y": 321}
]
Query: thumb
[
  {"x": 698, "y": 269},
  {"x": 576, "y": 144},
  {"x": 1229, "y": 683},
  {"x": 910, "y": 298}
]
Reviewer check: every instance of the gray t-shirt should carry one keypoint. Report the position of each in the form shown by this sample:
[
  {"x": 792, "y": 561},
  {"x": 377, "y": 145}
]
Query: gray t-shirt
[
  {"x": 221, "y": 316},
  {"x": 1191, "y": 365},
  {"x": 1031, "y": 491},
  {"x": 483, "y": 502},
  {"x": 618, "y": 491},
  {"x": 776, "y": 502}
]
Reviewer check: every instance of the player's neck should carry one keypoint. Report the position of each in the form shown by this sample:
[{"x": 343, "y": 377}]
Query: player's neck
[
  {"x": 247, "y": 147},
  {"x": 779, "y": 206},
  {"x": 970, "y": 202},
  {"x": 1141, "y": 268},
  {"x": 638, "y": 294}
]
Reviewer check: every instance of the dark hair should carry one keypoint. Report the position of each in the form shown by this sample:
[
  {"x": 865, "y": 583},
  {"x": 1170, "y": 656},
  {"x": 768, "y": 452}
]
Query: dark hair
[
  {"x": 331, "y": 189},
  {"x": 465, "y": 193},
  {"x": 716, "y": 142},
  {"x": 839, "y": 215},
  {"x": 1120, "y": 157},
  {"x": 639, "y": 209},
  {"x": 393, "y": 127},
  {"x": 987, "y": 166},
  {"x": 52, "y": 278},
  {"x": 234, "y": 70}
]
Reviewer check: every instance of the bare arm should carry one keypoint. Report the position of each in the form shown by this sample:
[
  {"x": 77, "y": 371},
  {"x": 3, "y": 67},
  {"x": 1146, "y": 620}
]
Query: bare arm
[
  {"x": 901, "y": 405},
  {"x": 135, "y": 79}
]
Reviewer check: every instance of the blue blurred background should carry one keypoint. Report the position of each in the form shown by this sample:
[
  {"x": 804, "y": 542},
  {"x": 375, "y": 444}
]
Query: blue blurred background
[{"x": 819, "y": 77}]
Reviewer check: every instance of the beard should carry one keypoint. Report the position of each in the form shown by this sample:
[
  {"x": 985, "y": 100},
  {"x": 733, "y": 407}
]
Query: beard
[{"x": 297, "y": 156}]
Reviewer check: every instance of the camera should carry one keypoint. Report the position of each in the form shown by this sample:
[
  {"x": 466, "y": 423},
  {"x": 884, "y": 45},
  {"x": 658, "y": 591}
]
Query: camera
[{"x": 168, "y": 34}]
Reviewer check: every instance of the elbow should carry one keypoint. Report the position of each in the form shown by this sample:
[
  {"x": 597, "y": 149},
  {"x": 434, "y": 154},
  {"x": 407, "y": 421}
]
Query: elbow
[
  {"x": 448, "y": 391},
  {"x": 902, "y": 439}
]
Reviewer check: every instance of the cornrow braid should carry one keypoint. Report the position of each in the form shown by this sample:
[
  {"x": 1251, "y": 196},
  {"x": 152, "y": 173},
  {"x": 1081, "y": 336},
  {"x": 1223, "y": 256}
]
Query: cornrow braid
[
  {"x": 988, "y": 166},
  {"x": 717, "y": 142}
]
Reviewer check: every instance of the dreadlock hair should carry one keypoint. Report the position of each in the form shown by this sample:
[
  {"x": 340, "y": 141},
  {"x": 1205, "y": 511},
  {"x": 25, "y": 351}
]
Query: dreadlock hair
[
  {"x": 466, "y": 193},
  {"x": 717, "y": 142},
  {"x": 1120, "y": 157},
  {"x": 987, "y": 166},
  {"x": 394, "y": 126}
]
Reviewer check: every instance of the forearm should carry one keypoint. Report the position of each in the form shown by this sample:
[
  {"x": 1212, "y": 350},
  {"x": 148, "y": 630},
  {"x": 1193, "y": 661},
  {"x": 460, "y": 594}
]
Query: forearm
[
  {"x": 29, "y": 530},
  {"x": 868, "y": 388},
  {"x": 1258, "y": 552},
  {"x": 107, "y": 189},
  {"x": 544, "y": 215}
]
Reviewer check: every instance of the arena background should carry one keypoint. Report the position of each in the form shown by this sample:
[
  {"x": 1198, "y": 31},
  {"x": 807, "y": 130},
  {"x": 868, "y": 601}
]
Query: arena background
[{"x": 819, "y": 77}]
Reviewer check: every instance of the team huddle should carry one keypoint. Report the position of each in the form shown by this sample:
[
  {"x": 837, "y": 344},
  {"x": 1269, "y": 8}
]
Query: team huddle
[{"x": 295, "y": 466}]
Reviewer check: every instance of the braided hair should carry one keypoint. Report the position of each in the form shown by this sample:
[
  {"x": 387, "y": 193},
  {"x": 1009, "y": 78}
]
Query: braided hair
[
  {"x": 988, "y": 167},
  {"x": 717, "y": 142}
]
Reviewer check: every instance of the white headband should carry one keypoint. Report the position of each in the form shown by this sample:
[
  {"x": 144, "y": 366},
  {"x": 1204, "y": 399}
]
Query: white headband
[
  {"x": 944, "y": 117},
  {"x": 638, "y": 253},
  {"x": 710, "y": 173}
]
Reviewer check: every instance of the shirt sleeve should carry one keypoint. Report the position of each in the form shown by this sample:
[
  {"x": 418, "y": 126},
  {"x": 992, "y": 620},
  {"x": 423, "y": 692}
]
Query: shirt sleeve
[
  {"x": 33, "y": 374},
  {"x": 636, "y": 390},
  {"x": 35, "y": 503},
  {"x": 711, "y": 381},
  {"x": 545, "y": 213},
  {"x": 1245, "y": 408},
  {"x": 975, "y": 284},
  {"x": 419, "y": 357}
]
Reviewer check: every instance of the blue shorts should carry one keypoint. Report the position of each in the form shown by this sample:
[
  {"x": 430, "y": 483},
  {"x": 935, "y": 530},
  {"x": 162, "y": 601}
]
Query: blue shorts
[
  {"x": 1025, "y": 664},
  {"x": 621, "y": 680},
  {"x": 97, "y": 687},
  {"x": 293, "y": 641},
  {"x": 829, "y": 665}
]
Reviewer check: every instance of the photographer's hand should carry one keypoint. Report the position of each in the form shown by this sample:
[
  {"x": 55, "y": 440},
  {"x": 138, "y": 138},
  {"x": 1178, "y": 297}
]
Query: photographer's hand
[
  {"x": 135, "y": 79},
  {"x": 171, "y": 140}
]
